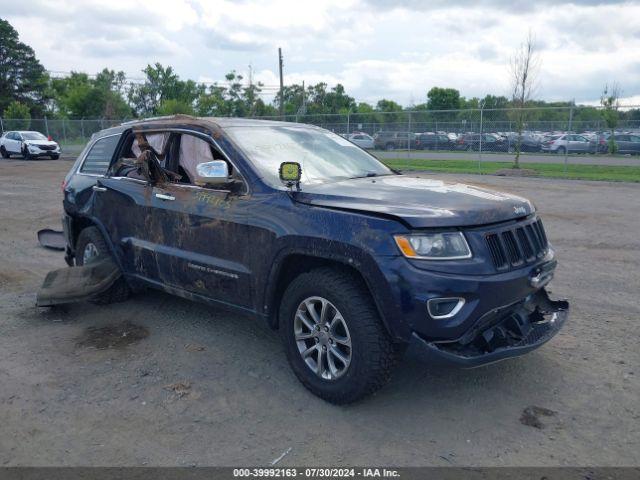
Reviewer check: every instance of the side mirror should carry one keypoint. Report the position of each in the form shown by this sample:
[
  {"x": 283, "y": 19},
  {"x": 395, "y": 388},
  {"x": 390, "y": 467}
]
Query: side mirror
[{"x": 212, "y": 173}]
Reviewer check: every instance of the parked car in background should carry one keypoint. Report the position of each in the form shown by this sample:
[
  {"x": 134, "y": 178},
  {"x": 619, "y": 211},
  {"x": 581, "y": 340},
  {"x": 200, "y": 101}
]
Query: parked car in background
[
  {"x": 488, "y": 142},
  {"x": 29, "y": 144},
  {"x": 394, "y": 140},
  {"x": 434, "y": 141},
  {"x": 627, "y": 143},
  {"x": 567, "y": 143},
  {"x": 362, "y": 140},
  {"x": 529, "y": 142}
]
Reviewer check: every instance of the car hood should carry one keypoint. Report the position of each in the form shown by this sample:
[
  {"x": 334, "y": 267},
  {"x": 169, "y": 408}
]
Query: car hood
[
  {"x": 419, "y": 202},
  {"x": 41, "y": 142}
]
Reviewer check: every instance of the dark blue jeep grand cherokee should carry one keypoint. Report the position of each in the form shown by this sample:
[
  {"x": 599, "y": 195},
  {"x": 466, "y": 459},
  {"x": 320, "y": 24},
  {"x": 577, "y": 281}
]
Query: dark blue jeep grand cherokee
[{"x": 293, "y": 224}]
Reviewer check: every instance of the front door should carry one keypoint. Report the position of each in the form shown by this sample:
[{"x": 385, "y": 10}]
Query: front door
[
  {"x": 201, "y": 242},
  {"x": 199, "y": 232}
]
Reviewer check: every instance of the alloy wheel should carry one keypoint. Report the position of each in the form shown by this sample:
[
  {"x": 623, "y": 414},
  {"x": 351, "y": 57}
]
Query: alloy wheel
[
  {"x": 89, "y": 253},
  {"x": 322, "y": 337}
]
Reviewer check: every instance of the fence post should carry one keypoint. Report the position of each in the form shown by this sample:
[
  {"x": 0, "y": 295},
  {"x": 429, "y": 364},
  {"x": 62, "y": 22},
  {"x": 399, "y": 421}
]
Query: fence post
[
  {"x": 348, "y": 121},
  {"x": 64, "y": 132},
  {"x": 566, "y": 150},
  {"x": 409, "y": 137},
  {"x": 82, "y": 127},
  {"x": 46, "y": 126},
  {"x": 480, "y": 145},
  {"x": 1, "y": 126}
]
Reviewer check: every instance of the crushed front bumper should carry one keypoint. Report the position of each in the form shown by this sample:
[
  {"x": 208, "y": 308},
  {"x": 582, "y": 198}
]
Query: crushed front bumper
[{"x": 504, "y": 332}]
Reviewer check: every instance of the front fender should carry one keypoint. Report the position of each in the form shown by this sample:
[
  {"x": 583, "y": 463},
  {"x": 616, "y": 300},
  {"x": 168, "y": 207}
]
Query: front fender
[{"x": 348, "y": 255}]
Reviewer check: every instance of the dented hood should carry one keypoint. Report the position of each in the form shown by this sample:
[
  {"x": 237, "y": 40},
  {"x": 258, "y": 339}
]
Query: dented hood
[{"x": 419, "y": 202}]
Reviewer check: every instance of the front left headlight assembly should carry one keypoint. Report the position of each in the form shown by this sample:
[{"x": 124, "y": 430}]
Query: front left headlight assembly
[{"x": 434, "y": 246}]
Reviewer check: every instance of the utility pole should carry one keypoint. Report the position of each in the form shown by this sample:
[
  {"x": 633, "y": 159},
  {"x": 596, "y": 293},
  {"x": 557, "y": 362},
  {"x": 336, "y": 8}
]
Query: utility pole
[{"x": 281, "y": 82}]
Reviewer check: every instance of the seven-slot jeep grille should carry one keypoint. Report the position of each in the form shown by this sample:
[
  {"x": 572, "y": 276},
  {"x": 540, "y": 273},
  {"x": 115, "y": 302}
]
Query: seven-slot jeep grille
[{"x": 518, "y": 245}]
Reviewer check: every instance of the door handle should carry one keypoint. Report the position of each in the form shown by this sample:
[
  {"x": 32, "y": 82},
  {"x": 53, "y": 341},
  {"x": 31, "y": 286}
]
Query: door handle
[
  {"x": 164, "y": 196},
  {"x": 97, "y": 188}
]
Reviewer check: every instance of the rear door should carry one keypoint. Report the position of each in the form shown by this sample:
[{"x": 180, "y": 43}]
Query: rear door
[{"x": 122, "y": 203}]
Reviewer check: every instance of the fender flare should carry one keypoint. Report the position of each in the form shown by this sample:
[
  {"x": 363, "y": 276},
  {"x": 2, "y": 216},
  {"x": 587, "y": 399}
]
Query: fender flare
[
  {"x": 350, "y": 256},
  {"x": 105, "y": 235}
]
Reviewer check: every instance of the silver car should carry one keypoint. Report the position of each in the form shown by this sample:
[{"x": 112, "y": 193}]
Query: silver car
[
  {"x": 567, "y": 143},
  {"x": 361, "y": 139}
]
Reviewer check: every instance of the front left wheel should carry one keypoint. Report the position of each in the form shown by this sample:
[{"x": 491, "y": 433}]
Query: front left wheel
[{"x": 333, "y": 336}]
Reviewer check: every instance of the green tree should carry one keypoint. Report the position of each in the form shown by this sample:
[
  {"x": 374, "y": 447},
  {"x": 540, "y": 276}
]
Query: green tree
[
  {"x": 19, "y": 115},
  {"x": 22, "y": 76},
  {"x": 172, "y": 106},
  {"x": 78, "y": 96},
  {"x": 443, "y": 99},
  {"x": 162, "y": 84},
  {"x": 610, "y": 101}
]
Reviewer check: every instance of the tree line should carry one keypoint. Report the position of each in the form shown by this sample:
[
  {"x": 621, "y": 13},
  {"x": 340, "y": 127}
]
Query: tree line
[{"x": 28, "y": 91}]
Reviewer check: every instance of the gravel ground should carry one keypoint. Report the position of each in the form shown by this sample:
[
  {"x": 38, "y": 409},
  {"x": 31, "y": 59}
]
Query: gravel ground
[{"x": 184, "y": 384}]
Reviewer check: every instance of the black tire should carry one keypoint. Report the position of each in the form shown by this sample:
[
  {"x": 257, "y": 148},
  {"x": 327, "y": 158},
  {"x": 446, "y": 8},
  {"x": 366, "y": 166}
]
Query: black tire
[
  {"x": 390, "y": 146},
  {"x": 561, "y": 151},
  {"x": 373, "y": 354},
  {"x": 119, "y": 291},
  {"x": 25, "y": 154},
  {"x": 3, "y": 152},
  {"x": 55, "y": 157}
]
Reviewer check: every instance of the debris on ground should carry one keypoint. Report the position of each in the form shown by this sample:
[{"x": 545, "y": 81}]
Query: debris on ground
[
  {"x": 181, "y": 389},
  {"x": 194, "y": 347},
  {"x": 531, "y": 416},
  {"x": 284, "y": 454},
  {"x": 112, "y": 336},
  {"x": 52, "y": 239}
]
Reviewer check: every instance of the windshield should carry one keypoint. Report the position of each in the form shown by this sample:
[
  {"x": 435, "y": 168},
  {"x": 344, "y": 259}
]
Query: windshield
[
  {"x": 324, "y": 156},
  {"x": 33, "y": 136}
]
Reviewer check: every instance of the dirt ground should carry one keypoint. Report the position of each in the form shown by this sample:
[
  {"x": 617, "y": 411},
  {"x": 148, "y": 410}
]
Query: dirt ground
[{"x": 162, "y": 381}]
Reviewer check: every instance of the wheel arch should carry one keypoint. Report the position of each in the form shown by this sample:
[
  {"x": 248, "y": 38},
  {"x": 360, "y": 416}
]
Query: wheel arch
[
  {"x": 293, "y": 262},
  {"x": 81, "y": 222}
]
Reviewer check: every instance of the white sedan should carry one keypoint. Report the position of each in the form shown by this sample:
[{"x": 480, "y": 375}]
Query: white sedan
[
  {"x": 28, "y": 144},
  {"x": 361, "y": 139}
]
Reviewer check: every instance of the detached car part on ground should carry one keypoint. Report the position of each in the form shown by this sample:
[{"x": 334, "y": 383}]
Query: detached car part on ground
[{"x": 299, "y": 227}]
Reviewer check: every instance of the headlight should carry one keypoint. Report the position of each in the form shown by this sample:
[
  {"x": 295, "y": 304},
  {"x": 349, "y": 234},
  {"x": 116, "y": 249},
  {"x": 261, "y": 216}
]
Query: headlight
[{"x": 434, "y": 246}]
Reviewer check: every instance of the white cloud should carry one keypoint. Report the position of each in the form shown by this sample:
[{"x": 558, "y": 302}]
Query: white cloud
[{"x": 376, "y": 48}]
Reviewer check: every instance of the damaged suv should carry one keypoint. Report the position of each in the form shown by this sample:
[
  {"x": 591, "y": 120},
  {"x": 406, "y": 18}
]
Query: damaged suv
[{"x": 297, "y": 226}]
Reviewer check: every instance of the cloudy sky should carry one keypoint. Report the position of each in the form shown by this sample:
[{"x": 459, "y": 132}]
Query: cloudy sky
[{"x": 376, "y": 48}]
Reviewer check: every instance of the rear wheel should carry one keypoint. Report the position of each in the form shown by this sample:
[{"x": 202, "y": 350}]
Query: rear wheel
[
  {"x": 333, "y": 336},
  {"x": 389, "y": 146},
  {"x": 561, "y": 151},
  {"x": 3, "y": 152},
  {"x": 91, "y": 246}
]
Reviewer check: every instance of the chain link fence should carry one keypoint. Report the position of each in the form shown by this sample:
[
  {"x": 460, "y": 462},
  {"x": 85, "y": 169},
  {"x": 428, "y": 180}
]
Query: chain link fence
[{"x": 470, "y": 129}]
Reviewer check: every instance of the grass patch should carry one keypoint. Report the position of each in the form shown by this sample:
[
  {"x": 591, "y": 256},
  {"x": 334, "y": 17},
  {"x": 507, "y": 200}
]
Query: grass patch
[{"x": 614, "y": 173}]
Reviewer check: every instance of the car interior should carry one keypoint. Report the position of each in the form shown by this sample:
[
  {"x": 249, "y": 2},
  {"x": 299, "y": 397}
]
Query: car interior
[{"x": 176, "y": 154}]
